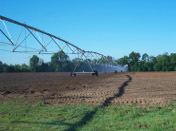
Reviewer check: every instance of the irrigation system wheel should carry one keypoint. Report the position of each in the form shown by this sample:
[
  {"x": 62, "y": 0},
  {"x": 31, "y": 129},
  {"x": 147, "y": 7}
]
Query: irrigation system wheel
[{"x": 95, "y": 73}]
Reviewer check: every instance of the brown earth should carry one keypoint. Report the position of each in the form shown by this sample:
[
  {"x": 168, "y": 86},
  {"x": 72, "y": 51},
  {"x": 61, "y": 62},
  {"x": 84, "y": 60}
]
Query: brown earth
[{"x": 142, "y": 89}]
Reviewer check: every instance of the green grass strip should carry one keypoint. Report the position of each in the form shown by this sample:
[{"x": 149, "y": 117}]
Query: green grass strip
[{"x": 18, "y": 116}]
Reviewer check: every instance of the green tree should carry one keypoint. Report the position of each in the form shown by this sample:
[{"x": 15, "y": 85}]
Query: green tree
[
  {"x": 157, "y": 67},
  {"x": 163, "y": 61},
  {"x": 17, "y": 68},
  {"x": 145, "y": 57},
  {"x": 123, "y": 61},
  {"x": 134, "y": 59},
  {"x": 1, "y": 66},
  {"x": 34, "y": 63},
  {"x": 60, "y": 62},
  {"x": 24, "y": 68},
  {"x": 5, "y": 68},
  {"x": 173, "y": 59},
  {"x": 152, "y": 60},
  {"x": 10, "y": 68}
]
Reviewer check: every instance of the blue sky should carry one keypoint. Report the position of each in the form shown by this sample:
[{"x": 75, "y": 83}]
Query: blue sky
[{"x": 110, "y": 27}]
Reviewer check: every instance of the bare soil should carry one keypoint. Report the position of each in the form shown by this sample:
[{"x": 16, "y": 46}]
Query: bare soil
[{"x": 142, "y": 89}]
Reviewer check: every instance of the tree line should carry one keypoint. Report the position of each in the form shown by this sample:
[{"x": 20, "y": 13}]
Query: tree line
[
  {"x": 60, "y": 63},
  {"x": 136, "y": 62}
]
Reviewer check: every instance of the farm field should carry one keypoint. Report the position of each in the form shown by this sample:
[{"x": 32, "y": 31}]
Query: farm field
[
  {"x": 141, "y": 89},
  {"x": 56, "y": 101}
]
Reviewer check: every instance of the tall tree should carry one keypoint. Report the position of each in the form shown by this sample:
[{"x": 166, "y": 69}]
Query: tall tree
[
  {"x": 164, "y": 61},
  {"x": 134, "y": 59},
  {"x": 34, "y": 63},
  {"x": 145, "y": 57},
  {"x": 59, "y": 62},
  {"x": 173, "y": 59}
]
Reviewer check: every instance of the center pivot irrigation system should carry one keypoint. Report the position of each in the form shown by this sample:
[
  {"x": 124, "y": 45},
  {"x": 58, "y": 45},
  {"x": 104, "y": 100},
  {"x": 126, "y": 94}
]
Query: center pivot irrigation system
[{"x": 42, "y": 42}]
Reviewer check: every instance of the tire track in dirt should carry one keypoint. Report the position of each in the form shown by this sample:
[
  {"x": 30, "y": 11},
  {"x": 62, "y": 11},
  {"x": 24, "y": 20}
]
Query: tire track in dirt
[
  {"x": 92, "y": 96},
  {"x": 147, "y": 88},
  {"x": 108, "y": 101}
]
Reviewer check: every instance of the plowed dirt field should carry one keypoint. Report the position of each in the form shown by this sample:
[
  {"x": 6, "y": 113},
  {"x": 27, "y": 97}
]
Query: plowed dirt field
[{"x": 142, "y": 89}]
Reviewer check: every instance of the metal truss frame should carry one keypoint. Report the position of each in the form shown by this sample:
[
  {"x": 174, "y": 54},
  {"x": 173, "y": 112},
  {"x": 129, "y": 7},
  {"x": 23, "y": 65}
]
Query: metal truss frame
[{"x": 73, "y": 49}]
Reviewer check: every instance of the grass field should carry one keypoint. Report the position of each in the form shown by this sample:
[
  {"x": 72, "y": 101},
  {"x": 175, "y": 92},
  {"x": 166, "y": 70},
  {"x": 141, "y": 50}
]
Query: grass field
[{"x": 18, "y": 116}]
